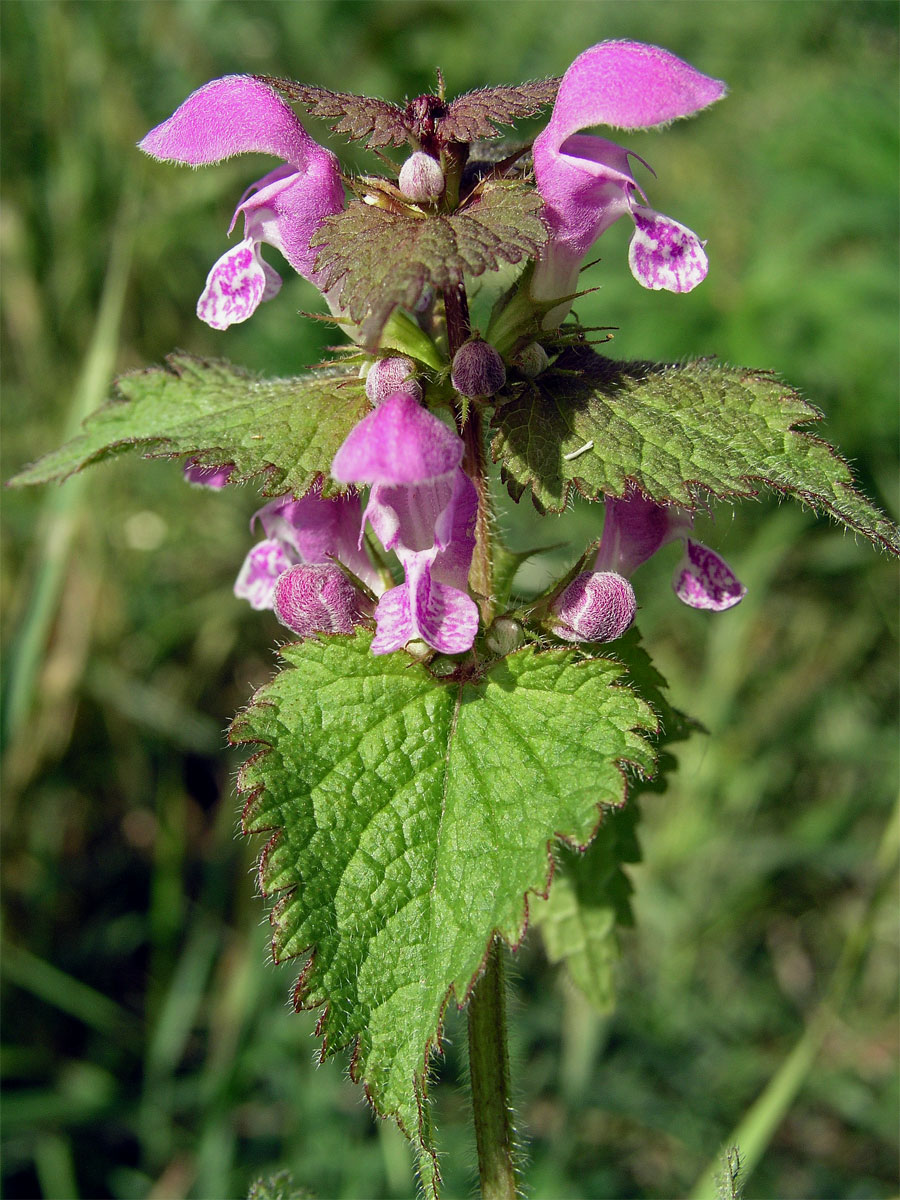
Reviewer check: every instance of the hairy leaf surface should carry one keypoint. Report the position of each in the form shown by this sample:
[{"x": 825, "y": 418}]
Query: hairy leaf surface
[
  {"x": 476, "y": 114},
  {"x": 414, "y": 816},
  {"x": 384, "y": 260},
  {"x": 679, "y": 432},
  {"x": 287, "y": 429}
]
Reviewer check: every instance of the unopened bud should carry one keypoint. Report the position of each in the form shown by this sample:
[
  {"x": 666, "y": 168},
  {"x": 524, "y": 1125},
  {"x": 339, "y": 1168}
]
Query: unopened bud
[
  {"x": 421, "y": 178},
  {"x": 318, "y": 598},
  {"x": 504, "y": 636},
  {"x": 211, "y": 477},
  {"x": 387, "y": 376},
  {"x": 703, "y": 580},
  {"x": 532, "y": 360},
  {"x": 597, "y": 606},
  {"x": 478, "y": 370}
]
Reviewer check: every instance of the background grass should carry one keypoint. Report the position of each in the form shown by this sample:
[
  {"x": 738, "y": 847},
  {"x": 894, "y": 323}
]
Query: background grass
[{"x": 148, "y": 1047}]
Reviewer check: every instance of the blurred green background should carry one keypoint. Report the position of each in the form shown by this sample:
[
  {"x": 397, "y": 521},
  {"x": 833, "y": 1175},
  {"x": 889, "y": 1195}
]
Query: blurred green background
[{"x": 148, "y": 1046}]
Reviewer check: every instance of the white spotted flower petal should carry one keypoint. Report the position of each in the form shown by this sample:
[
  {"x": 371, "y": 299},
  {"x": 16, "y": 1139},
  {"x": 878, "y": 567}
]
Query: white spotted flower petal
[
  {"x": 587, "y": 183},
  {"x": 240, "y": 114}
]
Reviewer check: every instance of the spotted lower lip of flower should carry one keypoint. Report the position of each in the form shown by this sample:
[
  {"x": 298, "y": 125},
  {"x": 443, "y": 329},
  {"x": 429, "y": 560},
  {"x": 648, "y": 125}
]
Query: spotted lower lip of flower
[
  {"x": 423, "y": 506},
  {"x": 239, "y": 114},
  {"x": 586, "y": 181},
  {"x": 305, "y": 531},
  {"x": 704, "y": 580}
]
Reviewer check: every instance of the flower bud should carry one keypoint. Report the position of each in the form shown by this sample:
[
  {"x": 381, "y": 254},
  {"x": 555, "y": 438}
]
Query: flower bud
[
  {"x": 478, "y": 370},
  {"x": 532, "y": 360},
  {"x": 211, "y": 477},
  {"x": 421, "y": 178},
  {"x": 390, "y": 375},
  {"x": 318, "y": 598},
  {"x": 597, "y": 606},
  {"x": 703, "y": 580},
  {"x": 504, "y": 636}
]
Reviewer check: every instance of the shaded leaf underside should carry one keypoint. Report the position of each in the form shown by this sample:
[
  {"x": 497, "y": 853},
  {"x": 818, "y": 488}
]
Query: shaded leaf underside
[
  {"x": 681, "y": 433},
  {"x": 287, "y": 429},
  {"x": 414, "y": 817}
]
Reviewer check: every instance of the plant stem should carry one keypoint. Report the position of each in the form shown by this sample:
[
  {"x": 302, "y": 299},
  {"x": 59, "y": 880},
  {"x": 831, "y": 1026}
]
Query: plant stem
[
  {"x": 489, "y": 1072},
  {"x": 474, "y": 464}
]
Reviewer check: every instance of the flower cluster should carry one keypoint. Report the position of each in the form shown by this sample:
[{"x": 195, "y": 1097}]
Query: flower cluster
[{"x": 312, "y": 566}]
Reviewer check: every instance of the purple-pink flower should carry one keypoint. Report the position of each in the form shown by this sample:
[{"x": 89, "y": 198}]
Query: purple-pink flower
[
  {"x": 635, "y": 528},
  {"x": 599, "y": 605},
  {"x": 239, "y": 114},
  {"x": 423, "y": 506},
  {"x": 308, "y": 530},
  {"x": 586, "y": 181}
]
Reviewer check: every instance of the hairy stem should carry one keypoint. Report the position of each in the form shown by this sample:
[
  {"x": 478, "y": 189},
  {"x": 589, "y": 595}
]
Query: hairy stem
[
  {"x": 474, "y": 464},
  {"x": 489, "y": 1072}
]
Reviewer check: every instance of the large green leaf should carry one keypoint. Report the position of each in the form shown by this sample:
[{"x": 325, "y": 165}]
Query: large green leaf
[
  {"x": 414, "y": 817},
  {"x": 287, "y": 429},
  {"x": 679, "y": 432}
]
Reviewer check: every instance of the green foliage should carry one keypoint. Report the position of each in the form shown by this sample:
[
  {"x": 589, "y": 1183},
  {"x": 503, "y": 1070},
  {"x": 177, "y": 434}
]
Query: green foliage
[
  {"x": 588, "y": 899},
  {"x": 414, "y": 818},
  {"x": 285, "y": 429},
  {"x": 678, "y": 432},
  {"x": 384, "y": 259},
  {"x": 278, "y": 1187},
  {"x": 380, "y": 123}
]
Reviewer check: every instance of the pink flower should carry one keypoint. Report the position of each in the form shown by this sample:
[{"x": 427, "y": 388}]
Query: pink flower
[
  {"x": 586, "y": 181},
  {"x": 239, "y": 114},
  {"x": 309, "y": 530},
  {"x": 599, "y": 605},
  {"x": 635, "y": 528},
  {"x": 423, "y": 506}
]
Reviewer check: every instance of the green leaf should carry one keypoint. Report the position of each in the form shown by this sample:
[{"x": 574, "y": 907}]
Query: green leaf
[
  {"x": 477, "y": 113},
  {"x": 414, "y": 817},
  {"x": 288, "y": 429},
  {"x": 427, "y": 118},
  {"x": 380, "y": 122},
  {"x": 589, "y": 897},
  {"x": 678, "y": 432},
  {"x": 384, "y": 259}
]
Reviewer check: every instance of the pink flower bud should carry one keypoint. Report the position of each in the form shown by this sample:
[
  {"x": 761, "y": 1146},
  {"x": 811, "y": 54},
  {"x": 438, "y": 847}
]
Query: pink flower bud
[
  {"x": 421, "y": 178},
  {"x": 597, "y": 606},
  {"x": 390, "y": 375},
  {"x": 318, "y": 598},
  {"x": 478, "y": 370}
]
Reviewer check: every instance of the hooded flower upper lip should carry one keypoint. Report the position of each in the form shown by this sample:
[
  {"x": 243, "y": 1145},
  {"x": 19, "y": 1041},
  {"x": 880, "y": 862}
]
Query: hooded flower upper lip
[
  {"x": 586, "y": 181},
  {"x": 423, "y": 506},
  {"x": 239, "y": 114}
]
